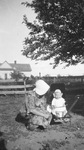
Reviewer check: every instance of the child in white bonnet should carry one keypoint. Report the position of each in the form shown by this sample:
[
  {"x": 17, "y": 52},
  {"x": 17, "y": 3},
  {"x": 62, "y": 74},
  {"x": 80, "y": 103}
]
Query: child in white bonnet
[{"x": 58, "y": 107}]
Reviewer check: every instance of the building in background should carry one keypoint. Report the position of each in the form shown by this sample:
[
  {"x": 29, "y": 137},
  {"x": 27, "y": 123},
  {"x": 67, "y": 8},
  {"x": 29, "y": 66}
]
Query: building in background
[{"x": 6, "y": 69}]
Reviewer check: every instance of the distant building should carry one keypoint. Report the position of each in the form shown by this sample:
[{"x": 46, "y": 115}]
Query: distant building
[{"x": 6, "y": 68}]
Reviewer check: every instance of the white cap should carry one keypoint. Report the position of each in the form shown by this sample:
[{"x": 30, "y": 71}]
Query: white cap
[
  {"x": 41, "y": 87},
  {"x": 57, "y": 91}
]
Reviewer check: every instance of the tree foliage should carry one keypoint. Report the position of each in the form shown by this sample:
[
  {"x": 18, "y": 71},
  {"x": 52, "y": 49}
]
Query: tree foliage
[
  {"x": 16, "y": 75},
  {"x": 57, "y": 32}
]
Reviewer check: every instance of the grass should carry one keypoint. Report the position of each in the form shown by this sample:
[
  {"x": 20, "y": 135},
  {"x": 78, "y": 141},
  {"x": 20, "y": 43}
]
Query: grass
[{"x": 10, "y": 126}]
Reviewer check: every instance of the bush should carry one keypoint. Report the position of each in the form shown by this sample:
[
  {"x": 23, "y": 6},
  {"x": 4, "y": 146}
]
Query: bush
[{"x": 16, "y": 75}]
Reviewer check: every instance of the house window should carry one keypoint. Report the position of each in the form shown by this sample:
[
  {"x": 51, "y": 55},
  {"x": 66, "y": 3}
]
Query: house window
[{"x": 5, "y": 76}]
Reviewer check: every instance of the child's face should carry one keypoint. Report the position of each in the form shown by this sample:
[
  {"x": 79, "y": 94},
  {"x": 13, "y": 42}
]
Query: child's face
[{"x": 57, "y": 95}]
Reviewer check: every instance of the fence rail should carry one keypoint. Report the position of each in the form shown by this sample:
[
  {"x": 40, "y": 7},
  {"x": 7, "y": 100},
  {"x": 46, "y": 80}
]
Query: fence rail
[
  {"x": 12, "y": 92},
  {"x": 14, "y": 89},
  {"x": 3, "y": 87}
]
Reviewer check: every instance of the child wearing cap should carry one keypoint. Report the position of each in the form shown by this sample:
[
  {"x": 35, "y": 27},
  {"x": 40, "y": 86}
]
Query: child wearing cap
[
  {"x": 58, "y": 104},
  {"x": 58, "y": 107}
]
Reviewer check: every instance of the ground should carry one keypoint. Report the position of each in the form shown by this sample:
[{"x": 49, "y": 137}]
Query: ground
[{"x": 15, "y": 136}]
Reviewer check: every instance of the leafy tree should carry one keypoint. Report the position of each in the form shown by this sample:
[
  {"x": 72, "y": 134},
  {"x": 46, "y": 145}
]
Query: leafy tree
[
  {"x": 57, "y": 32},
  {"x": 16, "y": 75}
]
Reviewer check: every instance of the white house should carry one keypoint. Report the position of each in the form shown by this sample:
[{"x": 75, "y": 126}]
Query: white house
[{"x": 6, "y": 68}]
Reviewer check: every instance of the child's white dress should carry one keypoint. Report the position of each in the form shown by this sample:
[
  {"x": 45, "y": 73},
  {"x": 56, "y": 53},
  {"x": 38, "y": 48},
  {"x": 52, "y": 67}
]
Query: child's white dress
[{"x": 58, "y": 107}]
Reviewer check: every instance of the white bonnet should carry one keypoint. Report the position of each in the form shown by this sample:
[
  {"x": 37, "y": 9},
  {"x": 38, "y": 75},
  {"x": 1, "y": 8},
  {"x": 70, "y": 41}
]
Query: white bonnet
[{"x": 41, "y": 87}]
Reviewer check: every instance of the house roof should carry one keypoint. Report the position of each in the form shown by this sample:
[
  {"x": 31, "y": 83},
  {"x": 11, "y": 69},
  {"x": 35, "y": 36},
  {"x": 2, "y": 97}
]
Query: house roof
[
  {"x": 21, "y": 67},
  {"x": 12, "y": 66}
]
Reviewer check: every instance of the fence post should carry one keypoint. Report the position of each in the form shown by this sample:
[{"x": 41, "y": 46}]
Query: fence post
[
  {"x": 25, "y": 93},
  {"x": 25, "y": 86}
]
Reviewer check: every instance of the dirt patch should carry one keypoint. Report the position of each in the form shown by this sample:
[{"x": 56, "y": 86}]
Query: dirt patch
[{"x": 15, "y": 136}]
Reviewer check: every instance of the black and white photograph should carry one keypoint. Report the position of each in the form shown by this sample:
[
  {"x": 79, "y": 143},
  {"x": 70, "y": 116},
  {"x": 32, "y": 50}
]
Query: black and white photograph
[{"x": 41, "y": 74}]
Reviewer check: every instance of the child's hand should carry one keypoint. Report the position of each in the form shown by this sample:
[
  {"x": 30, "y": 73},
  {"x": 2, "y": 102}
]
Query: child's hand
[{"x": 49, "y": 108}]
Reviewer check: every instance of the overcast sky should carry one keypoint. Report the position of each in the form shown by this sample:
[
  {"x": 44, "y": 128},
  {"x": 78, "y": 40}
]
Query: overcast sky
[
  {"x": 12, "y": 31},
  {"x": 12, "y": 34}
]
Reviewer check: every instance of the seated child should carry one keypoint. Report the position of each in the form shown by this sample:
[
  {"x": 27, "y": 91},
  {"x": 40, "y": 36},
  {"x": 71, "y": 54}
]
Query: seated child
[{"x": 58, "y": 107}]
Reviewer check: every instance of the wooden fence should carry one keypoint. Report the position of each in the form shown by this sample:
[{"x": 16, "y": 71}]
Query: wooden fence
[
  {"x": 10, "y": 87},
  {"x": 22, "y": 87}
]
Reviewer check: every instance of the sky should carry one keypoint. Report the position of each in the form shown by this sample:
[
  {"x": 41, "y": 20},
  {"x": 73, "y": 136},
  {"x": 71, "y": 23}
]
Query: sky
[{"x": 12, "y": 35}]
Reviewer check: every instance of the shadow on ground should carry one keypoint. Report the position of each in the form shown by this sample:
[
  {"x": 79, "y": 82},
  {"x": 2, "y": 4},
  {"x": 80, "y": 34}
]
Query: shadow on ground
[
  {"x": 22, "y": 119},
  {"x": 2, "y": 142}
]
